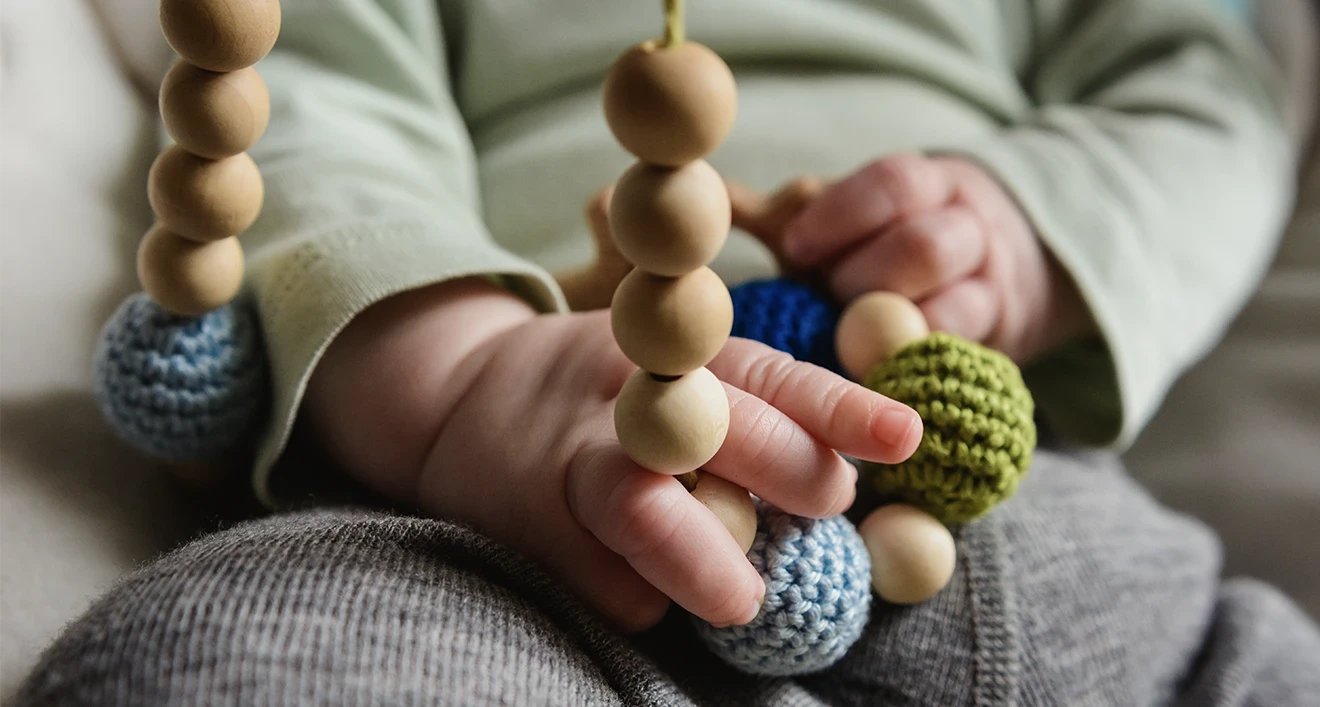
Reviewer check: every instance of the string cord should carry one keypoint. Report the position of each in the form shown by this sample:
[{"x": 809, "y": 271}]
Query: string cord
[{"x": 674, "y": 33}]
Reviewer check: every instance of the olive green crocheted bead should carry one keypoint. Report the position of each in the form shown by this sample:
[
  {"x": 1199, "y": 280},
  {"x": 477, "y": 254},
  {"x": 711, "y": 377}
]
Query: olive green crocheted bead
[{"x": 979, "y": 430}]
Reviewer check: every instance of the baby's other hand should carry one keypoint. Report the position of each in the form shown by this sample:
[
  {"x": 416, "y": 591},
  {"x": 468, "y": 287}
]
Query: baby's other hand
[
  {"x": 943, "y": 233},
  {"x": 459, "y": 400}
]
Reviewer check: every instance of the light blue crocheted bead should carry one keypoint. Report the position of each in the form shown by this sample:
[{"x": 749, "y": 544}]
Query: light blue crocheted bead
[
  {"x": 818, "y": 597},
  {"x": 181, "y": 388}
]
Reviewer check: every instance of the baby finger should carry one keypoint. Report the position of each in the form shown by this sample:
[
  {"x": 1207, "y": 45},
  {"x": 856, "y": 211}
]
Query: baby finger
[{"x": 669, "y": 538}]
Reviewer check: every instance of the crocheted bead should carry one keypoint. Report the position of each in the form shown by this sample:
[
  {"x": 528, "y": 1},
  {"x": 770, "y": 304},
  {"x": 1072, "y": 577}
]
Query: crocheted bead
[
  {"x": 817, "y": 597},
  {"x": 181, "y": 388},
  {"x": 787, "y": 316},
  {"x": 979, "y": 431}
]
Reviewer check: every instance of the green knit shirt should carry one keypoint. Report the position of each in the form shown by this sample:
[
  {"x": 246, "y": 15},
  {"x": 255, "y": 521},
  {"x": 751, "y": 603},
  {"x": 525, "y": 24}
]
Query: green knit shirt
[{"x": 413, "y": 141}]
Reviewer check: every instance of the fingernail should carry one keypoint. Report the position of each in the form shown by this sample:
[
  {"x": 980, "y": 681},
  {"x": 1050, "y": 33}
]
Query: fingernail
[
  {"x": 894, "y": 426},
  {"x": 755, "y": 608},
  {"x": 846, "y": 496}
]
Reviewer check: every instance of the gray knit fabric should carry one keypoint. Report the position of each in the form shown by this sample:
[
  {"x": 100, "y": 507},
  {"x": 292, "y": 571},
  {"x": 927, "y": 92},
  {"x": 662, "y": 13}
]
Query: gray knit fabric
[{"x": 1080, "y": 591}]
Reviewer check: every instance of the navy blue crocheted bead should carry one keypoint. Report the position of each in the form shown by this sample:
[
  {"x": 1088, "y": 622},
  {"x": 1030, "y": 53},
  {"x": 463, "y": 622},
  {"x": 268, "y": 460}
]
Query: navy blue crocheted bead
[
  {"x": 181, "y": 388},
  {"x": 817, "y": 597},
  {"x": 788, "y": 316}
]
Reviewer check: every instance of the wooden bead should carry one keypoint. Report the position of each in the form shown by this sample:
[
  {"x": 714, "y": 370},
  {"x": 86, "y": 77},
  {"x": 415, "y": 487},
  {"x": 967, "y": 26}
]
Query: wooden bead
[
  {"x": 672, "y": 427},
  {"x": 670, "y": 221},
  {"x": 211, "y": 114},
  {"x": 221, "y": 35},
  {"x": 203, "y": 199},
  {"x": 873, "y": 327},
  {"x": 731, "y": 504},
  {"x": 670, "y": 105},
  {"x": 912, "y": 553},
  {"x": 187, "y": 277},
  {"x": 670, "y": 326}
]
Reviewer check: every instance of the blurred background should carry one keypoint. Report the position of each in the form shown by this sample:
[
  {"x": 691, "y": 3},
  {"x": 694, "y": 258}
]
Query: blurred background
[{"x": 1237, "y": 443}]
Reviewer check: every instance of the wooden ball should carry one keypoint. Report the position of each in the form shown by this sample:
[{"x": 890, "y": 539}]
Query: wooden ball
[
  {"x": 670, "y": 221},
  {"x": 202, "y": 199},
  {"x": 221, "y": 35},
  {"x": 873, "y": 327},
  {"x": 672, "y": 427},
  {"x": 186, "y": 277},
  {"x": 731, "y": 504},
  {"x": 670, "y": 326},
  {"x": 670, "y": 105},
  {"x": 912, "y": 553},
  {"x": 214, "y": 115}
]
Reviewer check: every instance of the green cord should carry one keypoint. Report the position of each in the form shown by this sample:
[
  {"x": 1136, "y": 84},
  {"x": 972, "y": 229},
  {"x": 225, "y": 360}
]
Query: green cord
[{"x": 673, "y": 23}]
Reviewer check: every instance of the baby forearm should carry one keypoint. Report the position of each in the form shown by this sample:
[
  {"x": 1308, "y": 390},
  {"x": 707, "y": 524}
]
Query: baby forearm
[{"x": 381, "y": 392}]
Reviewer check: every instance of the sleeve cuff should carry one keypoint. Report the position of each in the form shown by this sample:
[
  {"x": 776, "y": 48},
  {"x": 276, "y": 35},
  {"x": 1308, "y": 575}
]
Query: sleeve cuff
[{"x": 306, "y": 294}]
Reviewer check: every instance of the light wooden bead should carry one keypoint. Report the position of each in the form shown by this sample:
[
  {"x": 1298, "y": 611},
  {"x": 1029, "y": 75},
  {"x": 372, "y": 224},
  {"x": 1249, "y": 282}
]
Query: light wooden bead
[
  {"x": 912, "y": 553},
  {"x": 672, "y": 427},
  {"x": 211, "y": 114},
  {"x": 221, "y": 35},
  {"x": 731, "y": 504},
  {"x": 203, "y": 199},
  {"x": 670, "y": 105},
  {"x": 186, "y": 277},
  {"x": 670, "y": 326},
  {"x": 873, "y": 327},
  {"x": 670, "y": 221}
]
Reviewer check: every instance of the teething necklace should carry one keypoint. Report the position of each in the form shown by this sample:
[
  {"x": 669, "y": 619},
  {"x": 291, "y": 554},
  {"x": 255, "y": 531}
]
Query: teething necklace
[
  {"x": 205, "y": 189},
  {"x": 181, "y": 373}
]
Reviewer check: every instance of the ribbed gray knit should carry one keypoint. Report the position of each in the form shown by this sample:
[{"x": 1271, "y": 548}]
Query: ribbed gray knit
[{"x": 1080, "y": 591}]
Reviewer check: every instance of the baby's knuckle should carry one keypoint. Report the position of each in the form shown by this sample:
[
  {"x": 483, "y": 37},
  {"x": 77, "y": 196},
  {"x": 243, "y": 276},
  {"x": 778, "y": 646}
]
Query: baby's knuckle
[
  {"x": 839, "y": 403},
  {"x": 924, "y": 250},
  {"x": 769, "y": 373},
  {"x": 646, "y": 523},
  {"x": 904, "y": 178},
  {"x": 767, "y": 436},
  {"x": 964, "y": 226}
]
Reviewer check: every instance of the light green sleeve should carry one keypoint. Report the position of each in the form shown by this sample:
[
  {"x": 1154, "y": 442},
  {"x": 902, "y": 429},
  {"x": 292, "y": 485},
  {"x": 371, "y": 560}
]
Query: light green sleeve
[
  {"x": 1156, "y": 167},
  {"x": 371, "y": 186}
]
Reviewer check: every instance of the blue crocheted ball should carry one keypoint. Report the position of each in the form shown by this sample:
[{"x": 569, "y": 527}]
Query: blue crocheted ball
[
  {"x": 789, "y": 316},
  {"x": 817, "y": 597},
  {"x": 181, "y": 388}
]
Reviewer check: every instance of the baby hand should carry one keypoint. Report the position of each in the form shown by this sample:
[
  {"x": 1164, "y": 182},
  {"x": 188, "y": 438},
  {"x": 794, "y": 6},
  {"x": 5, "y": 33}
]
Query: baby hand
[
  {"x": 461, "y": 401},
  {"x": 943, "y": 233}
]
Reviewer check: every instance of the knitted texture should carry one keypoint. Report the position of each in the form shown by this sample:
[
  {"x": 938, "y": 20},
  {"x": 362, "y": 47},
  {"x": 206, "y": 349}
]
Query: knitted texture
[
  {"x": 817, "y": 597},
  {"x": 787, "y": 316},
  {"x": 181, "y": 388},
  {"x": 979, "y": 430}
]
